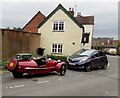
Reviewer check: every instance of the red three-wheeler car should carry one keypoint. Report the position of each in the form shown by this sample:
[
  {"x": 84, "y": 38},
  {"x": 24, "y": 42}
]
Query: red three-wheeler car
[{"x": 24, "y": 63}]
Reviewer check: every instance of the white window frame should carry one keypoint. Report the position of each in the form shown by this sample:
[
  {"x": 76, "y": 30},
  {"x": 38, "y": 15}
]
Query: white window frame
[
  {"x": 58, "y": 30},
  {"x": 57, "y": 52}
]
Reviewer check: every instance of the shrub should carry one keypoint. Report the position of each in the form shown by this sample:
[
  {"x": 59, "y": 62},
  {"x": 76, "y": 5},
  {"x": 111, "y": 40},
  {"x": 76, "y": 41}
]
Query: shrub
[
  {"x": 3, "y": 64},
  {"x": 62, "y": 58}
]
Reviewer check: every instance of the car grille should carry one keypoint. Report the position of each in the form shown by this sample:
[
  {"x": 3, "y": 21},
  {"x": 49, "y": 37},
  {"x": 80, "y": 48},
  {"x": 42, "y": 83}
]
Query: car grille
[{"x": 72, "y": 61}]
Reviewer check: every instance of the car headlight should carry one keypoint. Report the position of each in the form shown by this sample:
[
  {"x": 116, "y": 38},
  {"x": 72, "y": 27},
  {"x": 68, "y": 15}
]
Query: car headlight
[{"x": 84, "y": 59}]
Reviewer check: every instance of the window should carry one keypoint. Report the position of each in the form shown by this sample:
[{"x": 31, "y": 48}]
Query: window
[
  {"x": 57, "y": 48},
  {"x": 58, "y": 26},
  {"x": 85, "y": 38},
  {"x": 55, "y": 26},
  {"x": 96, "y": 54},
  {"x": 101, "y": 53}
]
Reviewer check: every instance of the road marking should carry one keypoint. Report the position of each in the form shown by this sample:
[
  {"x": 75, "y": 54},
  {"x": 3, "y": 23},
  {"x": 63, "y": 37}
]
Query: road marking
[
  {"x": 15, "y": 86},
  {"x": 42, "y": 82},
  {"x": 60, "y": 79},
  {"x": 106, "y": 92}
]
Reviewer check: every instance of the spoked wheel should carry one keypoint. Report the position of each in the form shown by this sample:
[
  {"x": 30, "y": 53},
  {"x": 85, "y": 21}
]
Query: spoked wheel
[
  {"x": 17, "y": 74},
  {"x": 88, "y": 68},
  {"x": 63, "y": 70}
]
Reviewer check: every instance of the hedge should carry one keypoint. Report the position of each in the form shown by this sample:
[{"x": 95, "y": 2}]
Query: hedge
[{"x": 62, "y": 58}]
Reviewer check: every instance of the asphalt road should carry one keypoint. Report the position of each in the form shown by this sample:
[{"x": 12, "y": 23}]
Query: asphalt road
[{"x": 75, "y": 83}]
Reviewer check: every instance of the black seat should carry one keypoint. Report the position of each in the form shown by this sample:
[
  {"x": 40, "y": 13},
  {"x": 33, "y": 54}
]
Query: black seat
[{"x": 40, "y": 61}]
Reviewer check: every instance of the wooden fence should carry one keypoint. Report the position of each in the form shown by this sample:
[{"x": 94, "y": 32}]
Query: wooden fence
[{"x": 19, "y": 42}]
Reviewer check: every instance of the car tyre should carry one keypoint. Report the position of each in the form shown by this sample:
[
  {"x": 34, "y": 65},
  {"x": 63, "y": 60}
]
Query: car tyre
[
  {"x": 88, "y": 68},
  {"x": 17, "y": 74},
  {"x": 105, "y": 66},
  {"x": 63, "y": 70}
]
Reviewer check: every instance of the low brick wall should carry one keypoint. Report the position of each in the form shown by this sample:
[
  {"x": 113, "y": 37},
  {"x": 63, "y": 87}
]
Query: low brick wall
[{"x": 19, "y": 42}]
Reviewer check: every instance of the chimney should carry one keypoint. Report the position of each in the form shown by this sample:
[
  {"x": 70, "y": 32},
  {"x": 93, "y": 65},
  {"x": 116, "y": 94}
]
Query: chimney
[
  {"x": 78, "y": 13},
  {"x": 71, "y": 11}
]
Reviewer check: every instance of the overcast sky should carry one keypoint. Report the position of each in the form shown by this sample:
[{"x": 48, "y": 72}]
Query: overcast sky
[{"x": 17, "y": 14}]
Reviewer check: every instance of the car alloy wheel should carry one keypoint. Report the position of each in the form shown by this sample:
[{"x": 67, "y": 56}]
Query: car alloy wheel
[
  {"x": 63, "y": 70},
  {"x": 105, "y": 66},
  {"x": 88, "y": 68}
]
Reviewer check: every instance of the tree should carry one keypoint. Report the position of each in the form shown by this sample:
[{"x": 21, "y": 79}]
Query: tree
[
  {"x": 17, "y": 28},
  {"x": 8, "y": 28}
]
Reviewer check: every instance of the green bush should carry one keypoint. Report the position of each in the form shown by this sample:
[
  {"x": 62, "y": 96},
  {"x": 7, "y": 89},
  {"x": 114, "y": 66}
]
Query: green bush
[
  {"x": 62, "y": 58},
  {"x": 98, "y": 47},
  {"x": 3, "y": 64}
]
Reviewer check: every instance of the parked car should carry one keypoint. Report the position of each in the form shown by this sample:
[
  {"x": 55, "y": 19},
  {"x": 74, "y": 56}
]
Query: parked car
[
  {"x": 23, "y": 63},
  {"x": 87, "y": 59},
  {"x": 112, "y": 51},
  {"x": 118, "y": 51}
]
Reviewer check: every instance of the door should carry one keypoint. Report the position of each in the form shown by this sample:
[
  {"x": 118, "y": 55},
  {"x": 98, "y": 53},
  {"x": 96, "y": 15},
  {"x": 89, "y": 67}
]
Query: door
[
  {"x": 95, "y": 61},
  {"x": 102, "y": 58}
]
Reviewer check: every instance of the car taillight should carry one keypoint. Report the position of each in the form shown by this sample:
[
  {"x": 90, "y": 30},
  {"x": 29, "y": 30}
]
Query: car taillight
[{"x": 12, "y": 65}]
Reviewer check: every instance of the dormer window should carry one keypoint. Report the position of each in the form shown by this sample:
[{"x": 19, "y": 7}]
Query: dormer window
[{"x": 58, "y": 26}]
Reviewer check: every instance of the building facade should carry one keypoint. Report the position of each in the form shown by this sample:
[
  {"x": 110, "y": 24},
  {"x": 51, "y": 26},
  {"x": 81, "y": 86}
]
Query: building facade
[
  {"x": 62, "y": 34},
  {"x": 103, "y": 41},
  {"x": 88, "y": 23}
]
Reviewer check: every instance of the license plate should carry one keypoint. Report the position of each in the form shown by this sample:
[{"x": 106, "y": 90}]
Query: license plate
[{"x": 71, "y": 63}]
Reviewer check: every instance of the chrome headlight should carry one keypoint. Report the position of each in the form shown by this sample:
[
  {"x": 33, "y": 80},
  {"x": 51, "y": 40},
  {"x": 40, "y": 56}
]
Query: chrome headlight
[{"x": 84, "y": 59}]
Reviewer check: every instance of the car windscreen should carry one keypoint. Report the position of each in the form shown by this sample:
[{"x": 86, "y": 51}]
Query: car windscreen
[
  {"x": 86, "y": 53},
  {"x": 79, "y": 52}
]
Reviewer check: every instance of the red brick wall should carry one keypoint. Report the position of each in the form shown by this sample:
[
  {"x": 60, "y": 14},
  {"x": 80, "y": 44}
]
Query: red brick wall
[
  {"x": 19, "y": 42},
  {"x": 32, "y": 25}
]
